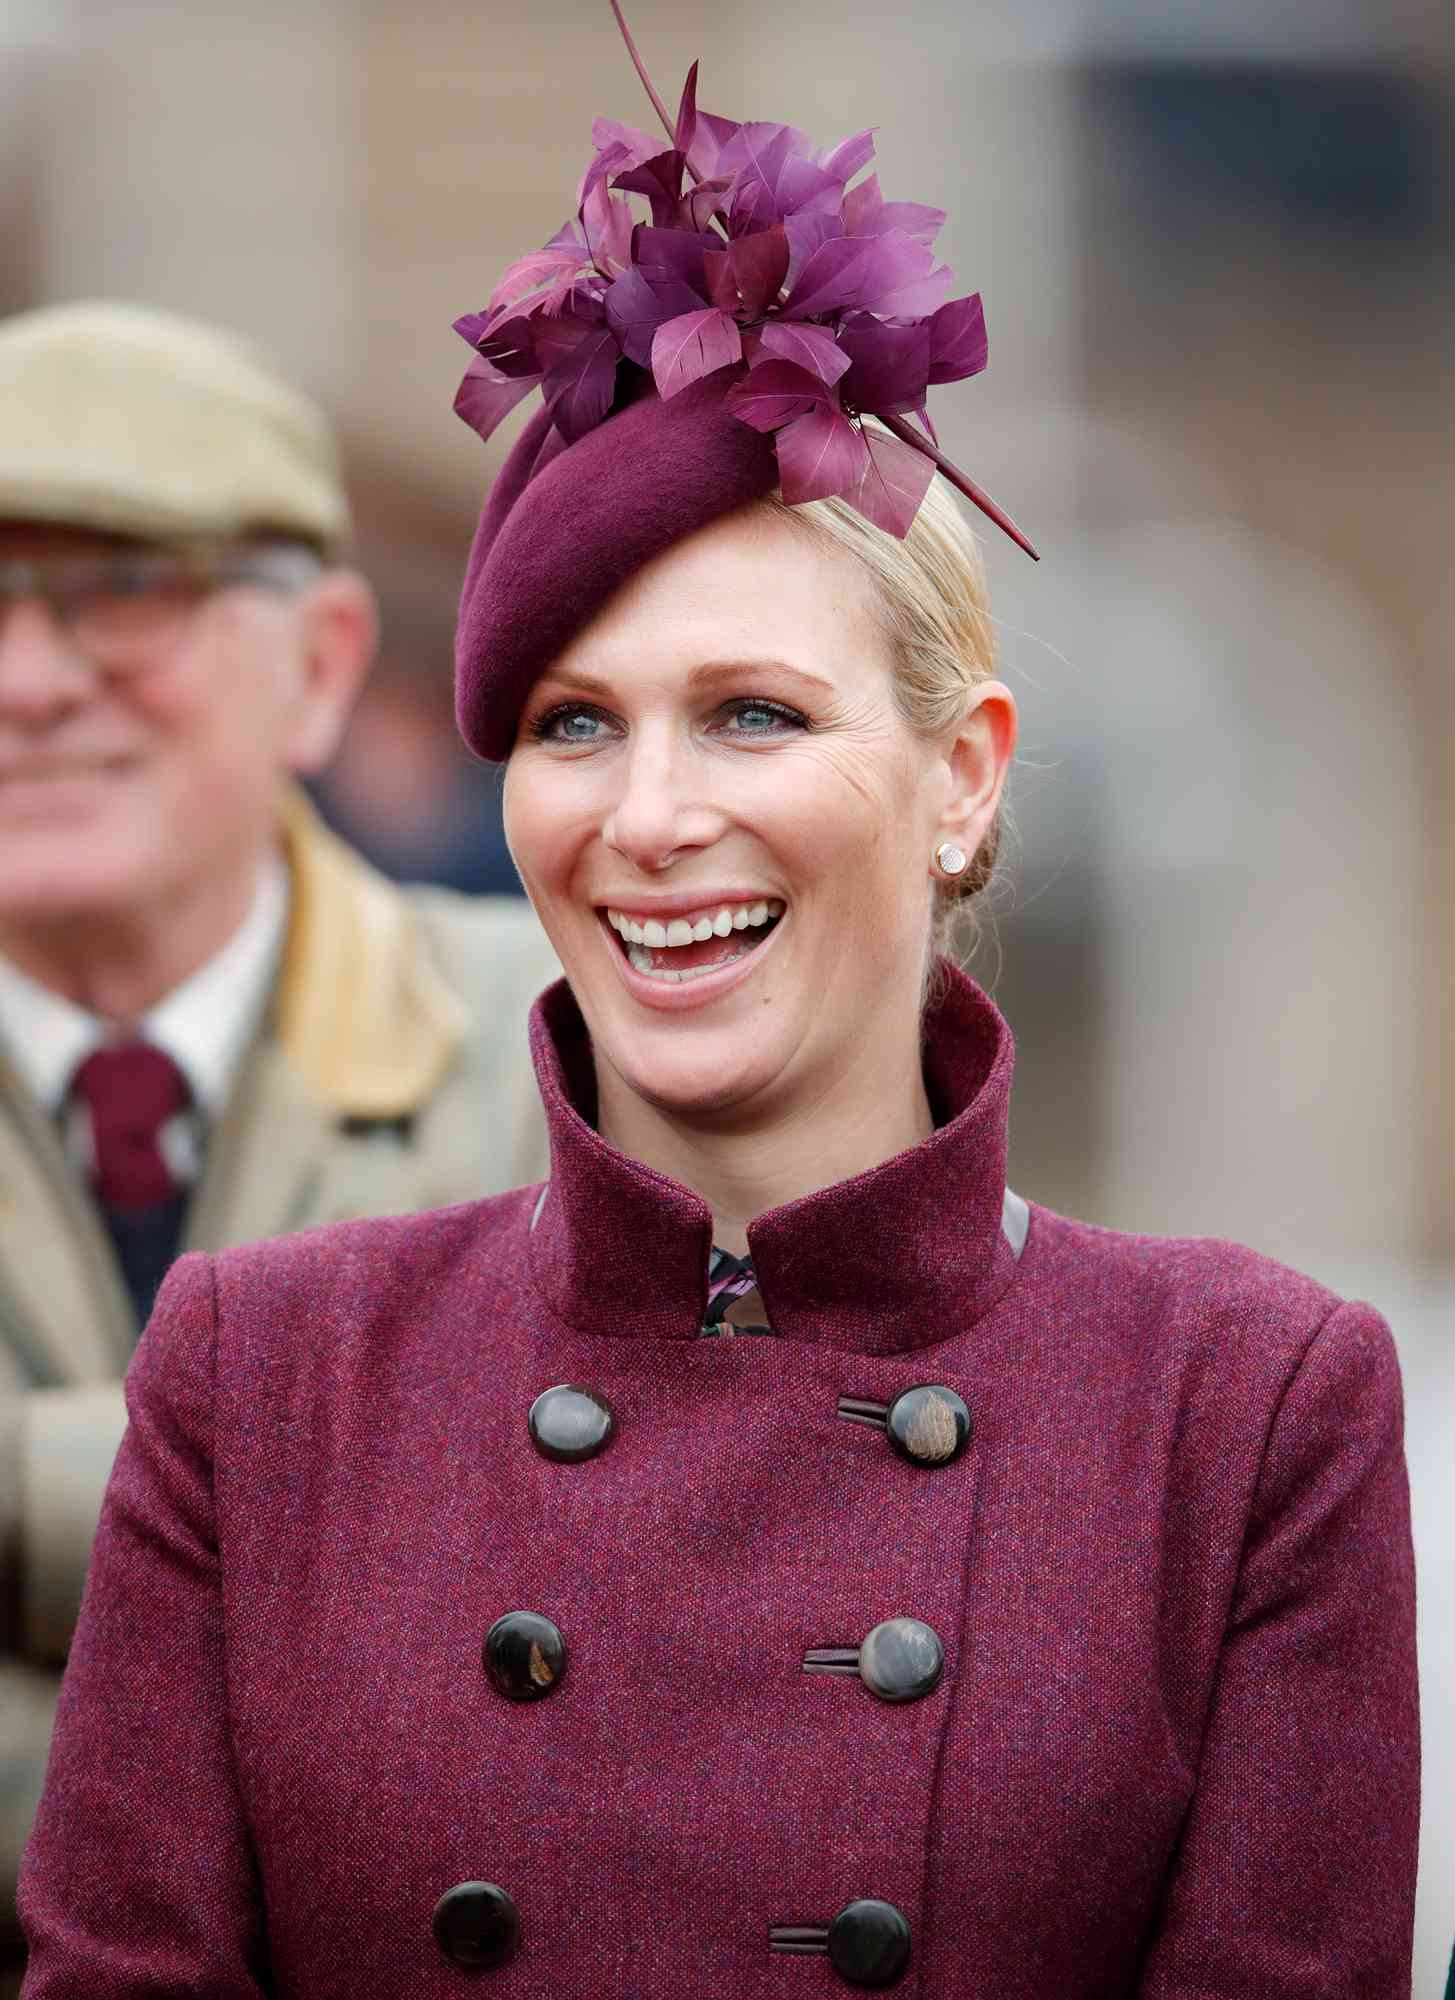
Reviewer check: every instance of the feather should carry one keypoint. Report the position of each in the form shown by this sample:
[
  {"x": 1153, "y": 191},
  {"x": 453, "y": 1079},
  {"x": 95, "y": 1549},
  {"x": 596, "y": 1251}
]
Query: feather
[
  {"x": 637, "y": 305},
  {"x": 894, "y": 482},
  {"x": 697, "y": 344},
  {"x": 814, "y": 301},
  {"x": 485, "y": 396},
  {"x": 813, "y": 348},
  {"x": 959, "y": 344},
  {"x": 774, "y": 393},
  {"x": 579, "y": 388},
  {"x": 889, "y": 364},
  {"x": 820, "y": 454}
]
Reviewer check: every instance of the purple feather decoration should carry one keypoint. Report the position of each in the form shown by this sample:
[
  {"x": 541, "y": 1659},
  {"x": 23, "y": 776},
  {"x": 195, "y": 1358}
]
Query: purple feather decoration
[
  {"x": 660, "y": 180},
  {"x": 849, "y": 157},
  {"x": 684, "y": 132},
  {"x": 821, "y": 454},
  {"x": 698, "y": 344},
  {"x": 542, "y": 269},
  {"x": 750, "y": 272},
  {"x": 675, "y": 253},
  {"x": 889, "y": 365},
  {"x": 812, "y": 347},
  {"x": 867, "y": 213},
  {"x": 608, "y": 224},
  {"x": 895, "y": 480},
  {"x": 485, "y": 396},
  {"x": 959, "y": 345},
  {"x": 866, "y": 273},
  {"x": 578, "y": 393},
  {"x": 637, "y": 305},
  {"x": 774, "y": 393},
  {"x": 817, "y": 303}
]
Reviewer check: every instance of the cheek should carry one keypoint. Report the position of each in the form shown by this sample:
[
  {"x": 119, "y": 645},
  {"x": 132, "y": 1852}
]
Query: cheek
[
  {"x": 166, "y": 723},
  {"x": 204, "y": 735},
  {"x": 547, "y": 824},
  {"x": 216, "y": 749},
  {"x": 238, "y": 692},
  {"x": 848, "y": 813},
  {"x": 168, "y": 707},
  {"x": 854, "y": 822}
]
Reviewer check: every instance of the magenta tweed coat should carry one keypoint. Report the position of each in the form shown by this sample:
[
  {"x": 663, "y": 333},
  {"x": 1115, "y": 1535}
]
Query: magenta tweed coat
[{"x": 1173, "y": 1751}]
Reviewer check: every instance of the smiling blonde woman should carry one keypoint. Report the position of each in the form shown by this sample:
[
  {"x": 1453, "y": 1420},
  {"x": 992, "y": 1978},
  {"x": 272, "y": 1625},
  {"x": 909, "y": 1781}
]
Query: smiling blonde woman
[{"x": 771, "y": 1556}]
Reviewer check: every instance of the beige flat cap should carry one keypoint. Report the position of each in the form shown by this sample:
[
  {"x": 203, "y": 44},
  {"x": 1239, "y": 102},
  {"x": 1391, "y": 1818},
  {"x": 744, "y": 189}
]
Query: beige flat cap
[{"x": 135, "y": 422}]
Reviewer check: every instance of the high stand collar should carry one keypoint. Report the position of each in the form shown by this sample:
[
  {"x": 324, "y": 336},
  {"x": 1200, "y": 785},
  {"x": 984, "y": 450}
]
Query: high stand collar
[{"x": 903, "y": 1256}]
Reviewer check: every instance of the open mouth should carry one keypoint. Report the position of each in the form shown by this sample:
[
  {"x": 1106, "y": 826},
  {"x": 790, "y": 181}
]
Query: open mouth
[{"x": 698, "y": 942}]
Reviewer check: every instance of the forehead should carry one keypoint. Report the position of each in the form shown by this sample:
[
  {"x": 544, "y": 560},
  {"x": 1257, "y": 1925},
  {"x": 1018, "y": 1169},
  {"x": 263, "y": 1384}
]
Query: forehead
[{"x": 751, "y": 586}]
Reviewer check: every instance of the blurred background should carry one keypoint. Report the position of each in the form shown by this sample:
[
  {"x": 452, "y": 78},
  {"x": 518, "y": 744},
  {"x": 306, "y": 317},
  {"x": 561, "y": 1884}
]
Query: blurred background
[{"x": 1215, "y": 244}]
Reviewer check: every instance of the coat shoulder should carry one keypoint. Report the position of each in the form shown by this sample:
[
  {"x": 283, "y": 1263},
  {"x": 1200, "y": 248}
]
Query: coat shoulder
[
  {"x": 1211, "y": 1300},
  {"x": 351, "y": 1280}
]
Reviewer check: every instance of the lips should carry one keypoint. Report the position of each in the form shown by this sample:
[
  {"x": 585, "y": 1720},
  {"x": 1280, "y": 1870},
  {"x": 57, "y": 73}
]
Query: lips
[
  {"x": 702, "y": 948},
  {"x": 699, "y": 940}
]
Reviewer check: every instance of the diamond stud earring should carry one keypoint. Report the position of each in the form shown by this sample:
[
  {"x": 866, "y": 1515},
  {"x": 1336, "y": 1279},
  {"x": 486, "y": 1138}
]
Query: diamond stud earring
[{"x": 950, "y": 859}]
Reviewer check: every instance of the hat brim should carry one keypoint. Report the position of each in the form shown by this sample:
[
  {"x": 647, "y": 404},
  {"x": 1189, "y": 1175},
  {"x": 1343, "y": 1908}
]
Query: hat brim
[{"x": 565, "y": 526}]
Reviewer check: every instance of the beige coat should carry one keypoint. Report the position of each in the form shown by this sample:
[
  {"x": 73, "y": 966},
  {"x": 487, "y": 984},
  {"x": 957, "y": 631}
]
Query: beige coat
[{"x": 392, "y": 1074}]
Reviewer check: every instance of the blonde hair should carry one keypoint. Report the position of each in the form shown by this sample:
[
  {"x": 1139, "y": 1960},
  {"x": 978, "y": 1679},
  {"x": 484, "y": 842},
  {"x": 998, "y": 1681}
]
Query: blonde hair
[{"x": 935, "y": 611}]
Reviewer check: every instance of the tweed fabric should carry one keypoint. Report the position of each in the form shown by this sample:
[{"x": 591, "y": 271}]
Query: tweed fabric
[
  {"x": 1173, "y": 1755},
  {"x": 563, "y": 526}
]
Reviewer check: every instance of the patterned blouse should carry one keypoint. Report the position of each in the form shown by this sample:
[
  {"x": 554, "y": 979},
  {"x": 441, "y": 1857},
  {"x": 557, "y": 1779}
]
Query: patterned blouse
[{"x": 734, "y": 1303}]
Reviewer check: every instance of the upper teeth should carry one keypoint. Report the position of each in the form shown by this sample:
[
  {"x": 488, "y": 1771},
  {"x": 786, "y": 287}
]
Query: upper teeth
[{"x": 694, "y": 929}]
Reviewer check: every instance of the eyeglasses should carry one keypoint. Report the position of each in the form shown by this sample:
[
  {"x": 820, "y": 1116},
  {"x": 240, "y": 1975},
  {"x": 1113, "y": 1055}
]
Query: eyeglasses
[{"x": 129, "y": 611}]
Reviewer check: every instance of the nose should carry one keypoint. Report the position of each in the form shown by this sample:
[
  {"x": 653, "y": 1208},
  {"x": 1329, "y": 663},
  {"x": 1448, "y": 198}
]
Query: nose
[
  {"x": 42, "y": 677},
  {"x": 662, "y": 808}
]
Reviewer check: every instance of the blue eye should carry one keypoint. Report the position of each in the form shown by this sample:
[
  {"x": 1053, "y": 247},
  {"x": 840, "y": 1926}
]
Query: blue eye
[
  {"x": 577, "y": 724},
  {"x": 572, "y": 722},
  {"x": 752, "y": 716}
]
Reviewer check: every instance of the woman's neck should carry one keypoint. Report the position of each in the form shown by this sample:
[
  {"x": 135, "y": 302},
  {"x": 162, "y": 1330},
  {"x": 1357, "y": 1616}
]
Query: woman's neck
[{"x": 746, "y": 1162}]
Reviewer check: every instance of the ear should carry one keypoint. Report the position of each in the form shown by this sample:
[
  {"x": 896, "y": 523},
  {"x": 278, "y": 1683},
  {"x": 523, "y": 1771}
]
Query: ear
[
  {"x": 979, "y": 751},
  {"x": 339, "y": 638}
]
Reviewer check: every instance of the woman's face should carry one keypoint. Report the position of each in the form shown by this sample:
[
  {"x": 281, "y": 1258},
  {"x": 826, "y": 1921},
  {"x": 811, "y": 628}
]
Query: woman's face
[{"x": 727, "y": 828}]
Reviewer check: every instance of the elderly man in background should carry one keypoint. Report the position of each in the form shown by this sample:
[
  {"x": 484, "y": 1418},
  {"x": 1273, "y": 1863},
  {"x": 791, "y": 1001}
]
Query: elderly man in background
[{"x": 217, "y": 1023}]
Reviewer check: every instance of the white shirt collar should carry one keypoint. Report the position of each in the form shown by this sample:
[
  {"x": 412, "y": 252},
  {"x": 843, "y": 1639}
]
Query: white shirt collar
[{"x": 204, "y": 1025}]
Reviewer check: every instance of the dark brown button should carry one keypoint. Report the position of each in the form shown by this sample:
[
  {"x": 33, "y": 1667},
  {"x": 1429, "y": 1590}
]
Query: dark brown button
[
  {"x": 524, "y": 1655},
  {"x": 928, "y": 1424},
  {"x": 476, "y": 1923},
  {"x": 869, "y": 1943},
  {"x": 568, "y": 1423},
  {"x": 901, "y": 1660}
]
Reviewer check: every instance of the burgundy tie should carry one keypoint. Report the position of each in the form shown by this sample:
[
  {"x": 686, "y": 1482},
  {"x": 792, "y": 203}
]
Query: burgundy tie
[{"x": 131, "y": 1090}]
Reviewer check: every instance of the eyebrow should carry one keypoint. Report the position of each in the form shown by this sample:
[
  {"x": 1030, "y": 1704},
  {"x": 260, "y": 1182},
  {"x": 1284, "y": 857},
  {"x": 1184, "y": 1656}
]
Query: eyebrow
[{"x": 707, "y": 674}]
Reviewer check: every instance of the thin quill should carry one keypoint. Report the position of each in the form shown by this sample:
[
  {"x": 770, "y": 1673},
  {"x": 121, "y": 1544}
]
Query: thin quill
[
  {"x": 641, "y": 69},
  {"x": 963, "y": 482},
  {"x": 690, "y": 96}
]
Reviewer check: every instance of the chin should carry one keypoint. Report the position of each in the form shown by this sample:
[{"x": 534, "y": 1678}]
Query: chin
[
  {"x": 697, "y": 1074},
  {"x": 69, "y": 878}
]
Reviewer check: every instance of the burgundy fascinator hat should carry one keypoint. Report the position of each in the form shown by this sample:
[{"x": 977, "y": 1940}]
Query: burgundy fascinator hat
[{"x": 730, "y": 345}]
